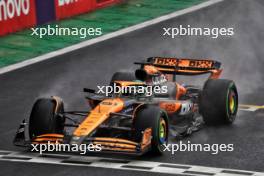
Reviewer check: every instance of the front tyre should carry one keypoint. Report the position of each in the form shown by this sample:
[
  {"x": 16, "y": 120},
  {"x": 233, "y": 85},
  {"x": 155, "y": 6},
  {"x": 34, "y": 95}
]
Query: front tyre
[
  {"x": 219, "y": 102},
  {"x": 44, "y": 119},
  {"x": 156, "y": 119}
]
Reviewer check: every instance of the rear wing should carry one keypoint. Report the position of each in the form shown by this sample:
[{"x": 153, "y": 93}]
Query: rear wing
[{"x": 182, "y": 66}]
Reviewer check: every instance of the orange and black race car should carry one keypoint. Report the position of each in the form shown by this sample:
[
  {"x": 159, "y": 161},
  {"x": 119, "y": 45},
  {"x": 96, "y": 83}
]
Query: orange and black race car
[{"x": 134, "y": 122}]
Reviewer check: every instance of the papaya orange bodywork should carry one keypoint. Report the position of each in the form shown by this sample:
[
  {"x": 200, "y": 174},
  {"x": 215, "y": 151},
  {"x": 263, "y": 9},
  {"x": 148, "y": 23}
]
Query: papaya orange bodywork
[
  {"x": 146, "y": 139},
  {"x": 129, "y": 83},
  {"x": 151, "y": 69},
  {"x": 170, "y": 107},
  {"x": 52, "y": 138},
  {"x": 115, "y": 140},
  {"x": 180, "y": 91},
  {"x": 52, "y": 135},
  {"x": 98, "y": 115}
]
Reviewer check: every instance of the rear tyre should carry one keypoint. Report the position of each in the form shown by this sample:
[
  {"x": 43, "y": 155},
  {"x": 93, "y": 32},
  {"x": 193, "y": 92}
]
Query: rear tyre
[
  {"x": 43, "y": 118},
  {"x": 122, "y": 76},
  {"x": 156, "y": 119},
  {"x": 219, "y": 102}
]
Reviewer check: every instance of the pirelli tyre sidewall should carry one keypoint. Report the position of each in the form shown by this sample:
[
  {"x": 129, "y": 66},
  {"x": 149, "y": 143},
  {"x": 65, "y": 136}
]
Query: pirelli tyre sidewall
[
  {"x": 150, "y": 116},
  {"x": 219, "y": 102},
  {"x": 43, "y": 118}
]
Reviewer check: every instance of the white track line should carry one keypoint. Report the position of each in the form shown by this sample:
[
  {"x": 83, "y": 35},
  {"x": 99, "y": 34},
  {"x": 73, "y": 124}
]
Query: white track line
[
  {"x": 251, "y": 108},
  {"x": 106, "y": 37},
  {"x": 122, "y": 164}
]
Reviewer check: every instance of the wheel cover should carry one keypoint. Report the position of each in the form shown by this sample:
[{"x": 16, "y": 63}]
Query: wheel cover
[
  {"x": 162, "y": 131},
  {"x": 232, "y": 102}
]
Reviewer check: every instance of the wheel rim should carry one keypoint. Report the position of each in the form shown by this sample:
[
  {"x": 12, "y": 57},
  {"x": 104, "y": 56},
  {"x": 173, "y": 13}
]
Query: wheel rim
[
  {"x": 162, "y": 131},
  {"x": 232, "y": 102}
]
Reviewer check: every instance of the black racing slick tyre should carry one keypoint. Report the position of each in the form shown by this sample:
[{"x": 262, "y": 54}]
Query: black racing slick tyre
[
  {"x": 122, "y": 76},
  {"x": 152, "y": 117},
  {"x": 44, "y": 119},
  {"x": 219, "y": 102}
]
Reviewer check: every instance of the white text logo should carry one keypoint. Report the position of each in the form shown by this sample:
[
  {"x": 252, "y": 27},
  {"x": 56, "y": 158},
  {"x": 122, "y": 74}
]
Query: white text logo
[
  {"x": 66, "y": 2},
  {"x": 13, "y": 8}
]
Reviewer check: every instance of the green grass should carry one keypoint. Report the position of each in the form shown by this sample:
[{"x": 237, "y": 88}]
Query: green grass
[{"x": 22, "y": 46}]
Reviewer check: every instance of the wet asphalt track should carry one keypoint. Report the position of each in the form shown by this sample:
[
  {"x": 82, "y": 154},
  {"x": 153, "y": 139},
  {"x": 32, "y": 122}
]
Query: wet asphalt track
[{"x": 65, "y": 76}]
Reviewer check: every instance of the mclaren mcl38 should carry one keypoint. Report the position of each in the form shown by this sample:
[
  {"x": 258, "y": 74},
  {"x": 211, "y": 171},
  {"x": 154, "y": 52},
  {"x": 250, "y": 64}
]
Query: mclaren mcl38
[{"x": 134, "y": 122}]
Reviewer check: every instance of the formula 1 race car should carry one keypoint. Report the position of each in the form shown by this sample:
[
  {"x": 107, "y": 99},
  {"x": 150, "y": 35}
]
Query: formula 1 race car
[{"x": 134, "y": 122}]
